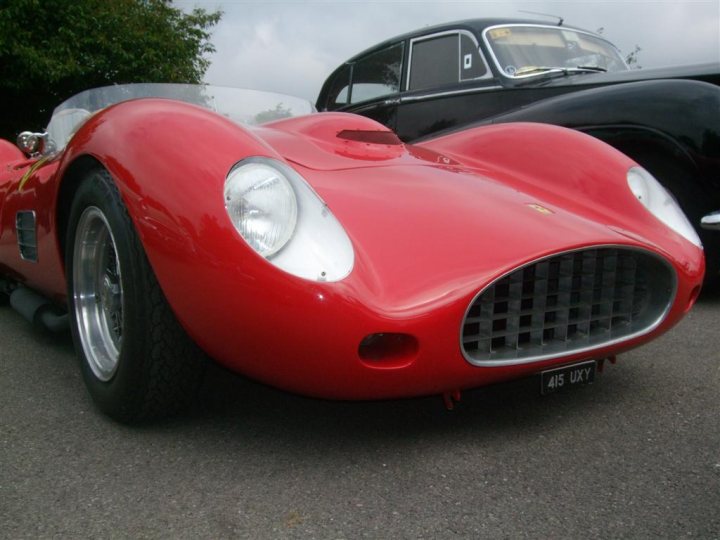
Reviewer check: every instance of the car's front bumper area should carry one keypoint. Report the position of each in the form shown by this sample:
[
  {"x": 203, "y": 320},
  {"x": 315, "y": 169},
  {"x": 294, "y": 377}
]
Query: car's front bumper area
[{"x": 332, "y": 341}]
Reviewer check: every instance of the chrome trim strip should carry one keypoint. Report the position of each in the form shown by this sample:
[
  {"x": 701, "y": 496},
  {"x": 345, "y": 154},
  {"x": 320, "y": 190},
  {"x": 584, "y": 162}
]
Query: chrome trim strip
[
  {"x": 473, "y": 90},
  {"x": 711, "y": 221},
  {"x": 581, "y": 350}
]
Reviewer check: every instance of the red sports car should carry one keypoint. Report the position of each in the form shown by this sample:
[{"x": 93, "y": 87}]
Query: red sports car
[{"x": 320, "y": 254}]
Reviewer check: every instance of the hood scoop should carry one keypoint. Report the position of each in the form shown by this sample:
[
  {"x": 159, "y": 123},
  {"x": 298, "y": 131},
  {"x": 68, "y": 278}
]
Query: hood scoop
[
  {"x": 370, "y": 145},
  {"x": 334, "y": 141},
  {"x": 370, "y": 136}
]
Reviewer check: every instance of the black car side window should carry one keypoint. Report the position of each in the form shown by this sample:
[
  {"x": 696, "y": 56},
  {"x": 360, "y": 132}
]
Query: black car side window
[
  {"x": 445, "y": 59},
  {"x": 377, "y": 74},
  {"x": 472, "y": 65},
  {"x": 434, "y": 62},
  {"x": 339, "y": 89}
]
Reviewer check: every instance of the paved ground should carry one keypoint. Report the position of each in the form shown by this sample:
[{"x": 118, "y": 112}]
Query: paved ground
[{"x": 636, "y": 455}]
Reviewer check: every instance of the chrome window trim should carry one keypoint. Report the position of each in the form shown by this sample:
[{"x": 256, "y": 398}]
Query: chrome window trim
[
  {"x": 551, "y": 27},
  {"x": 458, "y": 32},
  {"x": 554, "y": 356},
  {"x": 405, "y": 99}
]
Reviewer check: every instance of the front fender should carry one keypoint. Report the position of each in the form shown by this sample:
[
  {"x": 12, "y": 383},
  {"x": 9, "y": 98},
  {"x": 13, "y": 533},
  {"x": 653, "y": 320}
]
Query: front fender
[
  {"x": 169, "y": 161},
  {"x": 166, "y": 157},
  {"x": 561, "y": 168}
]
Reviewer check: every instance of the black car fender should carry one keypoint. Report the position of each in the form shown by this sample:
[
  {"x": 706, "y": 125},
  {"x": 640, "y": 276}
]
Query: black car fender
[{"x": 678, "y": 115}]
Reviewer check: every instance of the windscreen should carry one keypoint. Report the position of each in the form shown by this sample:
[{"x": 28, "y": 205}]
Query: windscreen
[
  {"x": 524, "y": 50},
  {"x": 240, "y": 105}
]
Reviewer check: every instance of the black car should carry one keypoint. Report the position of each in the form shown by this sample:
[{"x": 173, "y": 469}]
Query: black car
[{"x": 490, "y": 71}]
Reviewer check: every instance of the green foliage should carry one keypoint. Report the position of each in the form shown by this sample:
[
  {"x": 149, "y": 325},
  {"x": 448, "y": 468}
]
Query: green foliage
[
  {"x": 53, "y": 49},
  {"x": 632, "y": 58},
  {"x": 277, "y": 113}
]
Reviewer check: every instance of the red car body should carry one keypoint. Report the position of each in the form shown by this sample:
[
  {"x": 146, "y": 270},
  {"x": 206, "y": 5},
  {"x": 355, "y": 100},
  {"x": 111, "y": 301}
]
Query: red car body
[{"x": 431, "y": 226}]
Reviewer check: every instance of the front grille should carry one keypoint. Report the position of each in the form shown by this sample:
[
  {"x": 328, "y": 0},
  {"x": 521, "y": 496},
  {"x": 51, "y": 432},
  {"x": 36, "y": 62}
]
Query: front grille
[{"x": 567, "y": 303}]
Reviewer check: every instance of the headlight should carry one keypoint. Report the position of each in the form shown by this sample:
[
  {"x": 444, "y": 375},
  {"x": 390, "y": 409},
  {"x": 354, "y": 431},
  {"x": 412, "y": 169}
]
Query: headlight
[
  {"x": 261, "y": 205},
  {"x": 660, "y": 203},
  {"x": 280, "y": 216}
]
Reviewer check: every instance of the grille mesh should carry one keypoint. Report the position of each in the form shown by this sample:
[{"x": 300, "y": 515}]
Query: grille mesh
[{"x": 567, "y": 303}]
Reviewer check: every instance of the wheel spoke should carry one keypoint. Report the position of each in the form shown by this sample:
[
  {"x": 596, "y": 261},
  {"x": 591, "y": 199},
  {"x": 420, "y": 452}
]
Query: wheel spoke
[{"x": 97, "y": 293}]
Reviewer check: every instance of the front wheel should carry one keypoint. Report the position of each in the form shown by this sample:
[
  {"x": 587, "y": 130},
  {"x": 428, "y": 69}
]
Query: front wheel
[{"x": 136, "y": 360}]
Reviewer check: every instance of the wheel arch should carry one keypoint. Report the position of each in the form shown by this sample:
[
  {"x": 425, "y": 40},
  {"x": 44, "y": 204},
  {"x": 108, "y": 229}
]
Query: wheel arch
[
  {"x": 665, "y": 157},
  {"x": 157, "y": 152},
  {"x": 639, "y": 142},
  {"x": 72, "y": 177},
  {"x": 675, "y": 118},
  {"x": 675, "y": 167}
]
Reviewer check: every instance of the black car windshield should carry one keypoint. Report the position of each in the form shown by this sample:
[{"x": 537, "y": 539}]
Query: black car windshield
[
  {"x": 240, "y": 105},
  {"x": 530, "y": 50}
]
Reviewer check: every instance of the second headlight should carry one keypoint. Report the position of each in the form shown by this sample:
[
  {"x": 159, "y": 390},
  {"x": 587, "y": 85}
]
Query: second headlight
[{"x": 660, "y": 203}]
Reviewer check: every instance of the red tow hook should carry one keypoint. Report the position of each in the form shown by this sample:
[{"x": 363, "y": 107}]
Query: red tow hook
[
  {"x": 451, "y": 398},
  {"x": 601, "y": 363}
]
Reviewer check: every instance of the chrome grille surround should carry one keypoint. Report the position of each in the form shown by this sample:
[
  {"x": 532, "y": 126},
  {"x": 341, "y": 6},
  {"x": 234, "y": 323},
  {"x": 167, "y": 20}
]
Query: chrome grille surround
[{"x": 568, "y": 303}]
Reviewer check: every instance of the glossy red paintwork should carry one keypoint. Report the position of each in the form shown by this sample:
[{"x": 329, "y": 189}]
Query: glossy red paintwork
[
  {"x": 38, "y": 194},
  {"x": 430, "y": 226}
]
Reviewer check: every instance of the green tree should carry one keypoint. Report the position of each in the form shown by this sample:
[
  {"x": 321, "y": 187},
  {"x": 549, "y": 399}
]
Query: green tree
[
  {"x": 53, "y": 49},
  {"x": 632, "y": 58},
  {"x": 277, "y": 113}
]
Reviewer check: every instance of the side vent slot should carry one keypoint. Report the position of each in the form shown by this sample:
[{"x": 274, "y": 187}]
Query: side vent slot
[{"x": 25, "y": 225}]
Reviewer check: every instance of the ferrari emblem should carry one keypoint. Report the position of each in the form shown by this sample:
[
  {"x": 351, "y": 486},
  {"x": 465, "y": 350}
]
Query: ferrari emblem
[{"x": 540, "y": 209}]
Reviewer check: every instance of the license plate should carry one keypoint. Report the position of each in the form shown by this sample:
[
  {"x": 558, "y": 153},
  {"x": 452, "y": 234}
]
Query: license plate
[{"x": 553, "y": 380}]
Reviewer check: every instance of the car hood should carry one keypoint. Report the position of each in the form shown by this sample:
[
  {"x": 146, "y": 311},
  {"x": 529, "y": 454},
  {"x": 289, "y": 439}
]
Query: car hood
[
  {"x": 338, "y": 141},
  {"x": 427, "y": 225},
  {"x": 426, "y": 234}
]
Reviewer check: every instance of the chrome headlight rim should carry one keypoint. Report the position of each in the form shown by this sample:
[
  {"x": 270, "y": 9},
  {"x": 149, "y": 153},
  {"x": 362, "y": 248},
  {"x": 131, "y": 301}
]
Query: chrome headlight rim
[
  {"x": 245, "y": 180},
  {"x": 318, "y": 247}
]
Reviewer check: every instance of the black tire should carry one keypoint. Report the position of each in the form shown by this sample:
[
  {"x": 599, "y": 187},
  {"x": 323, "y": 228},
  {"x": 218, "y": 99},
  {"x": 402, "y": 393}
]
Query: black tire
[
  {"x": 136, "y": 360},
  {"x": 4, "y": 292}
]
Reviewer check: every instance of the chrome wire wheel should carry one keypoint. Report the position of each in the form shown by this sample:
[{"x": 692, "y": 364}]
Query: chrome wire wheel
[
  {"x": 97, "y": 293},
  {"x": 136, "y": 360}
]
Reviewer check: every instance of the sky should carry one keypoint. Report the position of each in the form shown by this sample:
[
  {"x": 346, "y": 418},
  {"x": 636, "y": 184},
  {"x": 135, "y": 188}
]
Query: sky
[{"x": 290, "y": 47}]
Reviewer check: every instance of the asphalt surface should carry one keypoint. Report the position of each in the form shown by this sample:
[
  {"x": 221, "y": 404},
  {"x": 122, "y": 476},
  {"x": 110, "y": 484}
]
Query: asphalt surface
[{"x": 636, "y": 455}]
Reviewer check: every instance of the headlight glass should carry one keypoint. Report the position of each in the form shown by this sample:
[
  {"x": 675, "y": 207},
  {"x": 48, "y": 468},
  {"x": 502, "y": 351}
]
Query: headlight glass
[
  {"x": 660, "y": 203},
  {"x": 282, "y": 218},
  {"x": 262, "y": 206}
]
